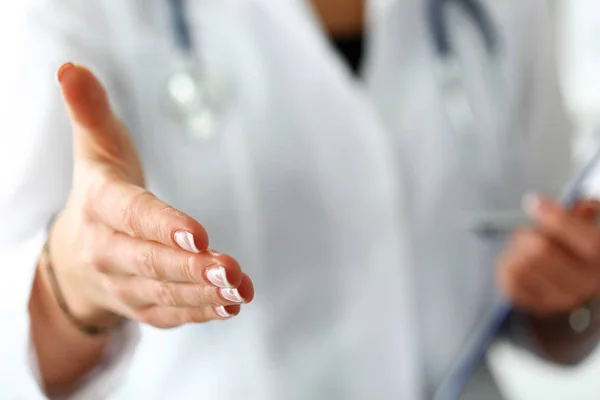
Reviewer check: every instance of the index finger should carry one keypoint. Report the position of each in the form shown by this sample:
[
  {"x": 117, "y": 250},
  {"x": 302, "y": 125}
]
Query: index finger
[
  {"x": 575, "y": 234},
  {"x": 136, "y": 212}
]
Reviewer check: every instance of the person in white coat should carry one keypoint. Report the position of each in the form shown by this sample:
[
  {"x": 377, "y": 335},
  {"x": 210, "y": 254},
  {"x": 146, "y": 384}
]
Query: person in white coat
[{"x": 337, "y": 196}]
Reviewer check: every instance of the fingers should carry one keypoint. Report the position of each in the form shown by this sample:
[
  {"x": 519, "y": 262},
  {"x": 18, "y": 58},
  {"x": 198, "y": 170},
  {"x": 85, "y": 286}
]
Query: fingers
[
  {"x": 84, "y": 97},
  {"x": 122, "y": 254},
  {"x": 535, "y": 297},
  {"x": 541, "y": 277},
  {"x": 577, "y": 236},
  {"x": 553, "y": 269},
  {"x": 100, "y": 137},
  {"x": 141, "y": 292},
  {"x": 136, "y": 212},
  {"x": 97, "y": 130},
  {"x": 165, "y": 317}
]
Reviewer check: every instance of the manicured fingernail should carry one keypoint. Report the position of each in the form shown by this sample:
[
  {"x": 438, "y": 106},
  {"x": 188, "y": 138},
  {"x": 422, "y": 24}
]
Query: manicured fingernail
[
  {"x": 531, "y": 203},
  {"x": 217, "y": 275},
  {"x": 185, "y": 240},
  {"x": 222, "y": 312},
  {"x": 232, "y": 295},
  {"x": 61, "y": 71}
]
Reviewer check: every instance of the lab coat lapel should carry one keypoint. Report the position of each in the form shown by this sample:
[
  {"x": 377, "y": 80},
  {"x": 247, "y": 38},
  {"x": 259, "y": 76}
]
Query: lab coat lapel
[
  {"x": 325, "y": 122},
  {"x": 402, "y": 82}
]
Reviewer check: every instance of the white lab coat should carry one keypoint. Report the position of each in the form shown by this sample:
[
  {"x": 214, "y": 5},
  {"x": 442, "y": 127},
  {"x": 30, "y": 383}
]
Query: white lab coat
[
  {"x": 580, "y": 62},
  {"x": 340, "y": 199}
]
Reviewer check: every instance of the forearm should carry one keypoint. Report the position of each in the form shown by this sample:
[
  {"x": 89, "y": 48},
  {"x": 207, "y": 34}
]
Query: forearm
[{"x": 64, "y": 354}]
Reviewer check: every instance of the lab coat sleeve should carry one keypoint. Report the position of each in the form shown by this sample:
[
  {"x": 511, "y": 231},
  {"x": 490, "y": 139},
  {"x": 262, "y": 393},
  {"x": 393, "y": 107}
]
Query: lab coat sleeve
[
  {"x": 37, "y": 36},
  {"x": 550, "y": 166}
]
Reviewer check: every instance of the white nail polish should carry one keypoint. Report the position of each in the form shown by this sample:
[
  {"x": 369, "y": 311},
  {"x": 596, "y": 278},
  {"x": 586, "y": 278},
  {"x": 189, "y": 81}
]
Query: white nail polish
[
  {"x": 530, "y": 203},
  {"x": 232, "y": 295},
  {"x": 217, "y": 275},
  {"x": 222, "y": 312},
  {"x": 185, "y": 240}
]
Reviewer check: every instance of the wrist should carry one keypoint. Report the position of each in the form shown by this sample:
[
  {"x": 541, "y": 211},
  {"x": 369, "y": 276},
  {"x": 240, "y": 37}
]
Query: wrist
[
  {"x": 53, "y": 335},
  {"x": 65, "y": 282}
]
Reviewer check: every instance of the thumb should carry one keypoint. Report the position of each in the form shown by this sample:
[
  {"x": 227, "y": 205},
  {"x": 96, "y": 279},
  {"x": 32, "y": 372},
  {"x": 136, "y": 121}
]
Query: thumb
[{"x": 98, "y": 135}]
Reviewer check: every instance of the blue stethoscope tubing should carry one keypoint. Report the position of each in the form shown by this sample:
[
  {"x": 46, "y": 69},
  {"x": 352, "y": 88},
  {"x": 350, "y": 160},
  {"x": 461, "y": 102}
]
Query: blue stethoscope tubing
[
  {"x": 181, "y": 29},
  {"x": 438, "y": 25},
  {"x": 459, "y": 105},
  {"x": 195, "y": 96}
]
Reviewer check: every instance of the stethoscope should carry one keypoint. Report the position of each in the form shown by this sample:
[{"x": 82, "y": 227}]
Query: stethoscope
[
  {"x": 481, "y": 152},
  {"x": 196, "y": 98}
]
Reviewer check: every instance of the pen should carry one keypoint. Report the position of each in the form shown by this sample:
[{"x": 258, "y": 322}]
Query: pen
[
  {"x": 498, "y": 223},
  {"x": 494, "y": 224}
]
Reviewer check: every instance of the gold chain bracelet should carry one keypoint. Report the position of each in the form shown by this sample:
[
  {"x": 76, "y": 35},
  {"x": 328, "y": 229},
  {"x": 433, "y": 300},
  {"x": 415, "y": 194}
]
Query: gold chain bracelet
[{"x": 45, "y": 264}]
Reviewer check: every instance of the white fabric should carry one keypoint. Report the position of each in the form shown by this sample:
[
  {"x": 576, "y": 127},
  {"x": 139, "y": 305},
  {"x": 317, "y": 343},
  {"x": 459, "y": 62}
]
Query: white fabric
[
  {"x": 340, "y": 200},
  {"x": 580, "y": 57}
]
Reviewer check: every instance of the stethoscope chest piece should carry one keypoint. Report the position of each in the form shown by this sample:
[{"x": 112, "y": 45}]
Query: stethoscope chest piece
[
  {"x": 196, "y": 101},
  {"x": 196, "y": 96}
]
